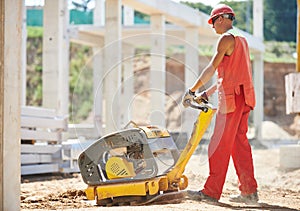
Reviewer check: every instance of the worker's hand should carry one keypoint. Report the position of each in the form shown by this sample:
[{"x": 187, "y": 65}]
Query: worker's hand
[
  {"x": 188, "y": 96},
  {"x": 202, "y": 98}
]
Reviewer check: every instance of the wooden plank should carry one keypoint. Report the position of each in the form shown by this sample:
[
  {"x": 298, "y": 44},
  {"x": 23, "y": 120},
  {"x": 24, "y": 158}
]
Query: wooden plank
[
  {"x": 39, "y": 169},
  {"x": 39, "y": 149},
  {"x": 36, "y": 158},
  {"x": 38, "y": 112},
  {"x": 292, "y": 91},
  {"x": 36, "y": 122},
  {"x": 27, "y": 134}
]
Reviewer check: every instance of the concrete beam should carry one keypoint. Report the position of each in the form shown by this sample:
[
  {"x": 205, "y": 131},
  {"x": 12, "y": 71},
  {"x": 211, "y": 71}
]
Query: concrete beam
[
  {"x": 178, "y": 14},
  {"x": 11, "y": 14},
  {"x": 85, "y": 37},
  {"x": 140, "y": 35}
]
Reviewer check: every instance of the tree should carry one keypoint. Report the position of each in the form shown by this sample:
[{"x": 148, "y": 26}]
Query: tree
[
  {"x": 280, "y": 17},
  {"x": 199, "y": 6},
  {"x": 81, "y": 5},
  {"x": 280, "y": 20}
]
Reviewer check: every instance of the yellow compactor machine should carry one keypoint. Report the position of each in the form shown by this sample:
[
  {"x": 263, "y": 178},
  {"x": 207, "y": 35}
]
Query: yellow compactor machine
[{"x": 140, "y": 165}]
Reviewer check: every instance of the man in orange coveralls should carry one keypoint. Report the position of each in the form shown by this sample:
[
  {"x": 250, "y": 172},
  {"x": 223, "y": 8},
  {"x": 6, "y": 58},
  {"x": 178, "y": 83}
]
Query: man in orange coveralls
[{"x": 236, "y": 99}]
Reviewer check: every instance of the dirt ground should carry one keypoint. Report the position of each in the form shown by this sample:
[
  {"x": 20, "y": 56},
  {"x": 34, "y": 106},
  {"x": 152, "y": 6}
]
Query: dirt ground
[{"x": 278, "y": 189}]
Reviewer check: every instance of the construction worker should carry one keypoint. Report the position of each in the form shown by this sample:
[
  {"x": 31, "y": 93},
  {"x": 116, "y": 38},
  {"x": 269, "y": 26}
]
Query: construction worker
[{"x": 235, "y": 100}]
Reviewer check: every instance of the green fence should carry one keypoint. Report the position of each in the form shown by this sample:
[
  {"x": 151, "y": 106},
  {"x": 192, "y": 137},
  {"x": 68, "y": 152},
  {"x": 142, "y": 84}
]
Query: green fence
[{"x": 35, "y": 17}]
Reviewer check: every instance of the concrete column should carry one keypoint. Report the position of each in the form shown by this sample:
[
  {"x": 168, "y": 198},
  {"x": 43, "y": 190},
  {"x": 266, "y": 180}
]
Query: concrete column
[
  {"x": 128, "y": 14},
  {"x": 99, "y": 13},
  {"x": 98, "y": 69},
  {"x": 11, "y": 14},
  {"x": 112, "y": 68},
  {"x": 56, "y": 56},
  {"x": 98, "y": 87},
  {"x": 258, "y": 114},
  {"x": 24, "y": 60},
  {"x": 158, "y": 71},
  {"x": 127, "y": 84},
  {"x": 258, "y": 69},
  {"x": 258, "y": 19},
  {"x": 191, "y": 55},
  {"x": 191, "y": 73}
]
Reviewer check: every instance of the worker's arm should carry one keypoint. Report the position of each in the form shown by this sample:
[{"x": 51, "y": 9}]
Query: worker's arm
[
  {"x": 211, "y": 89},
  {"x": 225, "y": 47}
]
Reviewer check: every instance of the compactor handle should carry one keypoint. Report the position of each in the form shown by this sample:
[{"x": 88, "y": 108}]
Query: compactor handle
[{"x": 199, "y": 103}]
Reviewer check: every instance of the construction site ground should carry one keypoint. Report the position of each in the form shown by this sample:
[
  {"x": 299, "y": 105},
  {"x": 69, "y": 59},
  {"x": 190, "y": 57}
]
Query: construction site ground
[{"x": 279, "y": 189}]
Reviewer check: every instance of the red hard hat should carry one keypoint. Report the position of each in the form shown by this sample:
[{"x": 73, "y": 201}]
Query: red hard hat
[{"x": 219, "y": 10}]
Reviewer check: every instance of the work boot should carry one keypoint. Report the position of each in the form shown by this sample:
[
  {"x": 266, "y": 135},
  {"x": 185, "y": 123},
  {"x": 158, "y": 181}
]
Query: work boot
[
  {"x": 199, "y": 195},
  {"x": 247, "y": 199}
]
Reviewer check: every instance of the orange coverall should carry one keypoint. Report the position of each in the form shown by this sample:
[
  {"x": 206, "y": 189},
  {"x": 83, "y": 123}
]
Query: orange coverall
[{"x": 236, "y": 99}]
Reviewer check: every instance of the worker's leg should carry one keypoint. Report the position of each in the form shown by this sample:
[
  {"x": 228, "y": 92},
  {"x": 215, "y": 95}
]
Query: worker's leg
[
  {"x": 242, "y": 157},
  {"x": 219, "y": 151}
]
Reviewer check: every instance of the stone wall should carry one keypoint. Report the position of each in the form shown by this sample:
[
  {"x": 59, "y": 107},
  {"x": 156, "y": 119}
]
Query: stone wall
[{"x": 274, "y": 94}]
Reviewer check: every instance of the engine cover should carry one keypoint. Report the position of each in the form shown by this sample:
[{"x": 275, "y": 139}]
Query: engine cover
[{"x": 131, "y": 154}]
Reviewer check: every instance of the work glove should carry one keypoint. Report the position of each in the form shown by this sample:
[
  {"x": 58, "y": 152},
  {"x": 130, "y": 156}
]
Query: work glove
[
  {"x": 188, "y": 96},
  {"x": 202, "y": 98}
]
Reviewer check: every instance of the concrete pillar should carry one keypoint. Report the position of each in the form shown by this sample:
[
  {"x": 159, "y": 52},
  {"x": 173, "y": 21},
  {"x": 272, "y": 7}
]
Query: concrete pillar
[
  {"x": 157, "y": 71},
  {"x": 191, "y": 55},
  {"x": 258, "y": 78},
  {"x": 191, "y": 73},
  {"x": 11, "y": 14},
  {"x": 258, "y": 19},
  {"x": 258, "y": 69},
  {"x": 56, "y": 56},
  {"x": 98, "y": 70},
  {"x": 128, "y": 16},
  {"x": 99, "y": 13},
  {"x": 112, "y": 66},
  {"x": 127, "y": 84},
  {"x": 24, "y": 60}
]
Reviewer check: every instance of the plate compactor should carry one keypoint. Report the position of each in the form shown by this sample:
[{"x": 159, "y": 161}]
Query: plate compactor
[{"x": 139, "y": 165}]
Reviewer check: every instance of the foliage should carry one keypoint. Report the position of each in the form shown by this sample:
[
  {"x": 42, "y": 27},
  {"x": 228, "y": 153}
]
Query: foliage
[
  {"x": 34, "y": 32},
  {"x": 283, "y": 52},
  {"x": 81, "y": 82},
  {"x": 243, "y": 20},
  {"x": 280, "y": 17},
  {"x": 199, "y": 6},
  {"x": 34, "y": 69},
  {"x": 81, "y": 79},
  {"x": 243, "y": 12}
]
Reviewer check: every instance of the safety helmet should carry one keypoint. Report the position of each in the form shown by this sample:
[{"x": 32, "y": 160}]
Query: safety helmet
[{"x": 220, "y": 9}]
